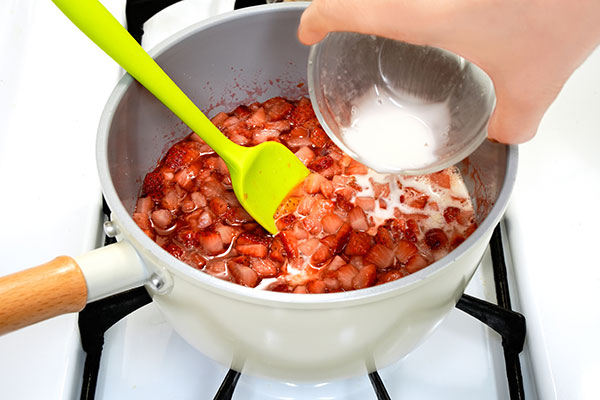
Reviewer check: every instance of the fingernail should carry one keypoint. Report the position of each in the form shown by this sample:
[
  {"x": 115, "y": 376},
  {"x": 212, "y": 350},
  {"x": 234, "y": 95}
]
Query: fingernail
[{"x": 493, "y": 140}]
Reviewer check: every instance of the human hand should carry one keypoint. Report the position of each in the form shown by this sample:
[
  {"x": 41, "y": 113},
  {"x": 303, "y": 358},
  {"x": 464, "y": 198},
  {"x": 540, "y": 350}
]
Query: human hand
[{"x": 528, "y": 48}]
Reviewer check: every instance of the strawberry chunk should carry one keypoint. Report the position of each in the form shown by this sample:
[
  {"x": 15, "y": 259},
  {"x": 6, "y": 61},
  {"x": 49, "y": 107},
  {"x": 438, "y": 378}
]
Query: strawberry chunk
[
  {"x": 380, "y": 255},
  {"x": 331, "y": 223},
  {"x": 416, "y": 263},
  {"x": 359, "y": 244},
  {"x": 365, "y": 277},
  {"x": 321, "y": 255},
  {"x": 290, "y": 243},
  {"x": 345, "y": 275},
  {"x": 405, "y": 250},
  {"x": 318, "y": 138},
  {"x": 435, "y": 238},
  {"x": 243, "y": 275},
  {"x": 358, "y": 219},
  {"x": 211, "y": 242},
  {"x": 153, "y": 183}
]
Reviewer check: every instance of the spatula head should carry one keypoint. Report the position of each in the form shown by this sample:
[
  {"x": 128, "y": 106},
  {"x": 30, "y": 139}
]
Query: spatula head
[{"x": 270, "y": 172}]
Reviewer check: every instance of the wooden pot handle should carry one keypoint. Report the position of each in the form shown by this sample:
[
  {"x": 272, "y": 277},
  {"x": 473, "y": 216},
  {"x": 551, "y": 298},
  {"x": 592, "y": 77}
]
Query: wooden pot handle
[{"x": 33, "y": 295}]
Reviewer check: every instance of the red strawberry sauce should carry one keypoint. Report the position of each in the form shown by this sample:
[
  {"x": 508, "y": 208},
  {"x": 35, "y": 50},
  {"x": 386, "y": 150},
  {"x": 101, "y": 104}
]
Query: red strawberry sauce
[{"x": 344, "y": 228}]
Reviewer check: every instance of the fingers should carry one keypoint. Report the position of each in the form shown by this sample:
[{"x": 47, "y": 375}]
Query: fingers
[
  {"x": 403, "y": 20},
  {"x": 322, "y": 17}
]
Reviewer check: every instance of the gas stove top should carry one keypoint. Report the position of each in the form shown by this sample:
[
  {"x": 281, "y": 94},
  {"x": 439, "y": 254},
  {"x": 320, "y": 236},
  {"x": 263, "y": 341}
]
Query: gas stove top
[{"x": 49, "y": 113}]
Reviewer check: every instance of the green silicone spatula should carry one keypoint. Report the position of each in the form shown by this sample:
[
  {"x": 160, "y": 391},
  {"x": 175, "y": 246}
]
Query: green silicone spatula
[{"x": 261, "y": 176}]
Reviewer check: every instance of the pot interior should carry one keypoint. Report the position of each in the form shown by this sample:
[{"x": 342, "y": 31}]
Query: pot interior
[{"x": 241, "y": 57}]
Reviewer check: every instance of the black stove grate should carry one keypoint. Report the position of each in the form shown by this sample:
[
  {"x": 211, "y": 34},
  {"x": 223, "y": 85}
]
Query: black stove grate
[{"x": 97, "y": 317}]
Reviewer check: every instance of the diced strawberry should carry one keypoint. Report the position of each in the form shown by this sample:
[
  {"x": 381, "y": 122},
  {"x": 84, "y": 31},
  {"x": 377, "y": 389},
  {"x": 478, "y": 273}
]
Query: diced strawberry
[
  {"x": 239, "y": 139},
  {"x": 290, "y": 243},
  {"x": 326, "y": 188},
  {"x": 188, "y": 237},
  {"x": 380, "y": 189},
  {"x": 198, "y": 199},
  {"x": 365, "y": 277},
  {"x": 390, "y": 276},
  {"x": 329, "y": 241},
  {"x": 226, "y": 232},
  {"x": 219, "y": 118},
  {"x": 405, "y": 250},
  {"x": 197, "y": 260},
  {"x": 306, "y": 205},
  {"x": 356, "y": 168},
  {"x": 305, "y": 154},
  {"x": 230, "y": 121},
  {"x": 279, "y": 126},
  {"x": 331, "y": 282},
  {"x": 153, "y": 183},
  {"x": 286, "y": 222},
  {"x": 456, "y": 240},
  {"x": 331, "y": 223},
  {"x": 342, "y": 236},
  {"x": 181, "y": 154},
  {"x": 441, "y": 178},
  {"x": 298, "y": 290},
  {"x": 321, "y": 255},
  {"x": 142, "y": 220},
  {"x": 243, "y": 275},
  {"x": 265, "y": 268},
  {"x": 345, "y": 275},
  {"x": 450, "y": 214},
  {"x": 186, "y": 175},
  {"x": 218, "y": 206},
  {"x": 316, "y": 286},
  {"x": 276, "y": 250},
  {"x": 358, "y": 219},
  {"x": 175, "y": 250},
  {"x": 237, "y": 216},
  {"x": 380, "y": 255},
  {"x": 319, "y": 138},
  {"x": 367, "y": 204},
  {"x": 336, "y": 263},
  {"x": 252, "y": 250},
  {"x": 258, "y": 118},
  {"x": 311, "y": 225},
  {"x": 303, "y": 112},
  {"x": 342, "y": 203},
  {"x": 263, "y": 135},
  {"x": 359, "y": 244},
  {"x": 211, "y": 188},
  {"x": 211, "y": 242},
  {"x": 435, "y": 238},
  {"x": 312, "y": 183},
  {"x": 288, "y": 206},
  {"x": 300, "y": 232},
  {"x": 277, "y": 108},
  {"x": 416, "y": 263},
  {"x": 321, "y": 163},
  {"x": 414, "y": 198},
  {"x": 384, "y": 237},
  {"x": 308, "y": 247},
  {"x": 242, "y": 112},
  {"x": 161, "y": 218}
]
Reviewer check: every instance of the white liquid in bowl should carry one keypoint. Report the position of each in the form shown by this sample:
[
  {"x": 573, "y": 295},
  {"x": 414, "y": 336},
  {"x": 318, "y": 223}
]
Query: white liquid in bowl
[{"x": 392, "y": 135}]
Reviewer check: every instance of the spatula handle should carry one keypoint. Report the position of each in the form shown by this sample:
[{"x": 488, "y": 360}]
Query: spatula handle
[
  {"x": 36, "y": 294},
  {"x": 103, "y": 29}
]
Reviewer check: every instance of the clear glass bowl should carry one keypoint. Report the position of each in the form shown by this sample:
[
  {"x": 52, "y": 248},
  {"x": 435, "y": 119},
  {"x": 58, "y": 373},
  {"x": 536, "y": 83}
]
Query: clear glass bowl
[{"x": 416, "y": 87}]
